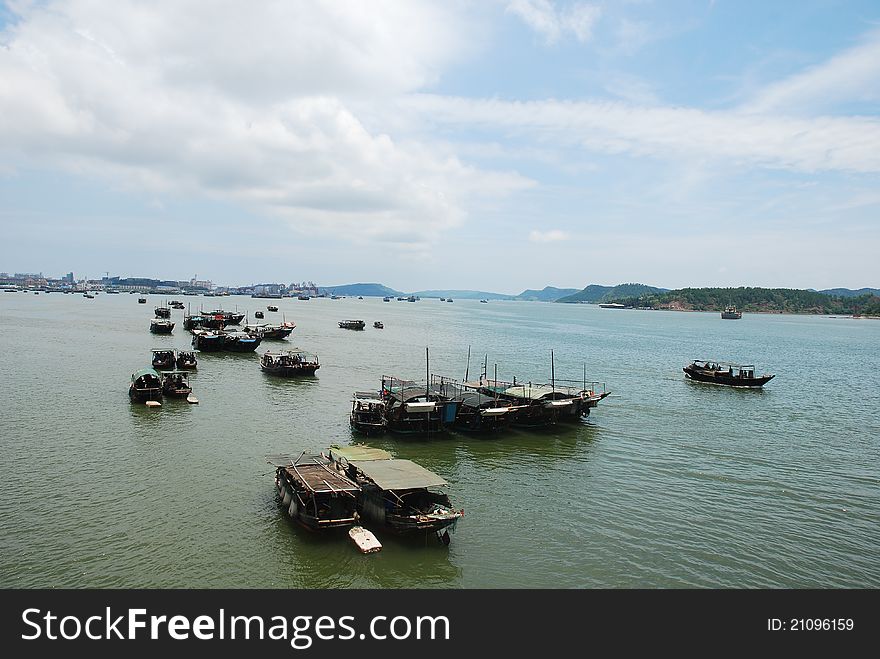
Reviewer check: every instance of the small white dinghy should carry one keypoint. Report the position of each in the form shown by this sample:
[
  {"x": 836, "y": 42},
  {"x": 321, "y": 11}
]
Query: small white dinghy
[
  {"x": 153, "y": 403},
  {"x": 364, "y": 540},
  {"x": 192, "y": 400}
]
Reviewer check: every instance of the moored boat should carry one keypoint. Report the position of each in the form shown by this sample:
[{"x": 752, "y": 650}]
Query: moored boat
[
  {"x": 146, "y": 385},
  {"x": 367, "y": 413},
  {"x": 411, "y": 408},
  {"x": 161, "y": 326},
  {"x": 259, "y": 314},
  {"x": 272, "y": 307},
  {"x": 725, "y": 373},
  {"x": 352, "y": 324},
  {"x": 241, "y": 341},
  {"x": 208, "y": 340},
  {"x": 163, "y": 312},
  {"x": 314, "y": 494},
  {"x": 289, "y": 363},
  {"x": 176, "y": 384},
  {"x": 379, "y": 325},
  {"x": 163, "y": 359},
  {"x": 400, "y": 495},
  {"x": 142, "y": 300},
  {"x": 186, "y": 359}
]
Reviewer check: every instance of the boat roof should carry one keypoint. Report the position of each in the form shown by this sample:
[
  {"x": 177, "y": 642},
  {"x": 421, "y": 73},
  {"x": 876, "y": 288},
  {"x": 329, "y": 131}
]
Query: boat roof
[
  {"x": 720, "y": 363},
  {"x": 315, "y": 474},
  {"x": 145, "y": 371},
  {"x": 396, "y": 474},
  {"x": 162, "y": 350},
  {"x": 167, "y": 373},
  {"x": 359, "y": 452}
]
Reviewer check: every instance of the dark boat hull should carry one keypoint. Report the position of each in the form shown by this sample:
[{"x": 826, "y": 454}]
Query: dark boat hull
[
  {"x": 291, "y": 371},
  {"x": 162, "y": 329},
  {"x": 723, "y": 378}
]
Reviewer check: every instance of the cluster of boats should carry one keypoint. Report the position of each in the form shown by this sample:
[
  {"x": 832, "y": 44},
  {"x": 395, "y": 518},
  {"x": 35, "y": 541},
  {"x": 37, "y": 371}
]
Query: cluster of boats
[
  {"x": 482, "y": 406},
  {"x": 167, "y": 375},
  {"x": 354, "y": 483}
]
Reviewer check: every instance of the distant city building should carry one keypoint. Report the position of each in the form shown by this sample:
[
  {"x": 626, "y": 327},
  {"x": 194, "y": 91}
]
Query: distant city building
[{"x": 68, "y": 278}]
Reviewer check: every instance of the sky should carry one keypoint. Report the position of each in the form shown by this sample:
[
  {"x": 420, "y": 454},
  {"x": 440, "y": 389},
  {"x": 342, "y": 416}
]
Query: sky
[{"x": 490, "y": 145}]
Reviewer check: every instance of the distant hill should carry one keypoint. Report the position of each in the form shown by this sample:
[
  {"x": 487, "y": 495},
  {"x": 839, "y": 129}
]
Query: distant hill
[
  {"x": 748, "y": 299},
  {"x": 595, "y": 293},
  {"x": 464, "y": 295},
  {"x": 846, "y": 292},
  {"x": 370, "y": 290},
  {"x": 546, "y": 294}
]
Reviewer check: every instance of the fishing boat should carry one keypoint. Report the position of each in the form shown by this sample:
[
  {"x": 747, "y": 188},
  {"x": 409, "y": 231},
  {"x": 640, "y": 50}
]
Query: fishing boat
[
  {"x": 281, "y": 331},
  {"x": 228, "y": 317},
  {"x": 730, "y": 313},
  {"x": 272, "y": 307},
  {"x": 484, "y": 301},
  {"x": 161, "y": 326},
  {"x": 449, "y": 299},
  {"x": 163, "y": 312},
  {"x": 443, "y": 299},
  {"x": 146, "y": 385},
  {"x": 176, "y": 384},
  {"x": 86, "y": 295},
  {"x": 411, "y": 408},
  {"x": 731, "y": 375},
  {"x": 314, "y": 494},
  {"x": 367, "y": 413},
  {"x": 378, "y": 325},
  {"x": 400, "y": 495},
  {"x": 241, "y": 341},
  {"x": 303, "y": 297},
  {"x": 289, "y": 363},
  {"x": 352, "y": 324},
  {"x": 142, "y": 300},
  {"x": 205, "y": 340},
  {"x": 386, "y": 299},
  {"x": 163, "y": 359},
  {"x": 259, "y": 314},
  {"x": 186, "y": 359}
]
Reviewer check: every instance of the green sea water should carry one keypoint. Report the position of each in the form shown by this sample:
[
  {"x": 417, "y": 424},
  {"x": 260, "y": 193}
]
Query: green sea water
[{"x": 669, "y": 483}]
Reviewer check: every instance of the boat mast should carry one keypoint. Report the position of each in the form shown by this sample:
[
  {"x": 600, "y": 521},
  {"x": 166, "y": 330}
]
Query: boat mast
[
  {"x": 552, "y": 372},
  {"x": 467, "y": 369},
  {"x": 427, "y": 373}
]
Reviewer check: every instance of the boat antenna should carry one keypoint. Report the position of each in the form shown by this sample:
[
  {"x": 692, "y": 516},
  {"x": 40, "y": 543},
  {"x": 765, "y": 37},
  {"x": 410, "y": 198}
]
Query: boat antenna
[
  {"x": 585, "y": 376},
  {"x": 552, "y": 372},
  {"x": 427, "y": 372},
  {"x": 496, "y": 381},
  {"x": 467, "y": 369}
]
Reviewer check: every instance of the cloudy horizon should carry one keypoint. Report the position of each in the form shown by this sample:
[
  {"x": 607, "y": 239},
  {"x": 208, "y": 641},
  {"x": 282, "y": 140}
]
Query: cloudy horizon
[{"x": 496, "y": 146}]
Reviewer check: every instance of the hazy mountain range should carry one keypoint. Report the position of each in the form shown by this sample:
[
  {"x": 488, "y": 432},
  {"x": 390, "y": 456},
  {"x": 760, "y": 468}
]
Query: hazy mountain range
[{"x": 594, "y": 293}]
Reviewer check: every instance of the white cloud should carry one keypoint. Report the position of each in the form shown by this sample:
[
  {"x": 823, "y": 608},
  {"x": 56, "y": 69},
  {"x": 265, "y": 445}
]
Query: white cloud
[
  {"x": 544, "y": 18},
  {"x": 802, "y": 144},
  {"x": 551, "y": 236},
  {"x": 853, "y": 75},
  {"x": 253, "y": 103}
]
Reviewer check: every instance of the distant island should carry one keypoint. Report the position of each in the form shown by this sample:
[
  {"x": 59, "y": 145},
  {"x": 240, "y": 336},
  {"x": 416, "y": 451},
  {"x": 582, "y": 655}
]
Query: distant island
[
  {"x": 757, "y": 300},
  {"x": 596, "y": 293}
]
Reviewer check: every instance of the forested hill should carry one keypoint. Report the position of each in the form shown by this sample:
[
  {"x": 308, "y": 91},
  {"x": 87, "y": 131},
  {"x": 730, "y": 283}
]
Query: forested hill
[
  {"x": 597, "y": 293},
  {"x": 780, "y": 300}
]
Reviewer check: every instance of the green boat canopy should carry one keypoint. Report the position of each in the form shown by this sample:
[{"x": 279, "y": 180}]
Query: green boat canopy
[
  {"x": 145, "y": 371},
  {"x": 398, "y": 474},
  {"x": 359, "y": 452}
]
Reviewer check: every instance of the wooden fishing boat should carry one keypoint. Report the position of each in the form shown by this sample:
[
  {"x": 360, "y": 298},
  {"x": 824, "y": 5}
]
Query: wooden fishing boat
[
  {"x": 163, "y": 312},
  {"x": 241, "y": 341},
  {"x": 272, "y": 307},
  {"x": 411, "y": 408},
  {"x": 146, "y": 385},
  {"x": 725, "y": 373},
  {"x": 176, "y": 384},
  {"x": 367, "y": 413},
  {"x": 259, "y": 314},
  {"x": 289, "y": 363},
  {"x": 161, "y": 326},
  {"x": 208, "y": 340},
  {"x": 163, "y": 359},
  {"x": 400, "y": 495},
  {"x": 227, "y": 317},
  {"x": 186, "y": 359},
  {"x": 379, "y": 325},
  {"x": 268, "y": 331},
  {"x": 730, "y": 313},
  {"x": 314, "y": 494},
  {"x": 142, "y": 300},
  {"x": 352, "y": 324}
]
